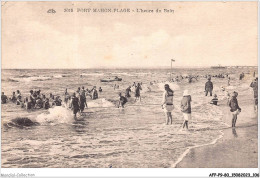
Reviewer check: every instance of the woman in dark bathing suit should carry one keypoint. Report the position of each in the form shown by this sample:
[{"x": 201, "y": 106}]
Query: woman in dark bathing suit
[
  {"x": 75, "y": 105},
  {"x": 137, "y": 92}
]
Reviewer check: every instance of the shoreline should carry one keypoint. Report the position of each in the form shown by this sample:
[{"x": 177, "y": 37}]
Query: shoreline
[
  {"x": 239, "y": 145},
  {"x": 180, "y": 159}
]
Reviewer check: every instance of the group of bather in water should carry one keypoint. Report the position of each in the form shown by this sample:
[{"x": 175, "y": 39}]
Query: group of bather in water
[
  {"x": 232, "y": 102},
  {"x": 37, "y": 100},
  {"x": 77, "y": 101}
]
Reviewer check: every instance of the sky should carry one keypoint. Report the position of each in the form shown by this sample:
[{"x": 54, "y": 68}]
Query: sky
[{"x": 197, "y": 34}]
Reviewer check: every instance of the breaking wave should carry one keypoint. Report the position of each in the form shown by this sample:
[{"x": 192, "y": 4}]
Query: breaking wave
[
  {"x": 55, "y": 115},
  {"x": 101, "y": 102}
]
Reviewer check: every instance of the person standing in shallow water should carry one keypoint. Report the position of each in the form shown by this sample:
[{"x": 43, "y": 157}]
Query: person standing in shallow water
[
  {"x": 19, "y": 97},
  {"x": 13, "y": 98},
  {"x": 137, "y": 92},
  {"x": 127, "y": 92},
  {"x": 3, "y": 98},
  {"x": 122, "y": 101},
  {"x": 254, "y": 85},
  {"x": 75, "y": 105},
  {"x": 186, "y": 108},
  {"x": 208, "y": 87},
  {"x": 66, "y": 97},
  {"x": 94, "y": 93},
  {"x": 234, "y": 108},
  {"x": 228, "y": 81},
  {"x": 167, "y": 103},
  {"x": 83, "y": 102}
]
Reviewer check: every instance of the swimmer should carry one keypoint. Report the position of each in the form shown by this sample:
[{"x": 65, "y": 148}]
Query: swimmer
[
  {"x": 167, "y": 103},
  {"x": 82, "y": 102},
  {"x": 234, "y": 108},
  {"x": 83, "y": 91},
  {"x": 94, "y": 93},
  {"x": 228, "y": 81},
  {"x": 31, "y": 98},
  {"x": 57, "y": 101},
  {"x": 127, "y": 92},
  {"x": 28, "y": 103},
  {"x": 3, "y": 98},
  {"x": 214, "y": 100},
  {"x": 137, "y": 92},
  {"x": 88, "y": 93},
  {"x": 208, "y": 87},
  {"x": 66, "y": 97},
  {"x": 122, "y": 101},
  {"x": 19, "y": 97},
  {"x": 75, "y": 105},
  {"x": 78, "y": 91},
  {"x": 51, "y": 100},
  {"x": 38, "y": 92},
  {"x": 38, "y": 102},
  {"x": 254, "y": 85},
  {"x": 13, "y": 98},
  {"x": 186, "y": 108},
  {"x": 190, "y": 79},
  {"x": 46, "y": 104}
]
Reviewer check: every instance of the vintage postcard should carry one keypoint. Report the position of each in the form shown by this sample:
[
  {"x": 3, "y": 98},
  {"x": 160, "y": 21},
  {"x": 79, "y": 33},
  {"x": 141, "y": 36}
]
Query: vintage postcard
[{"x": 129, "y": 85}]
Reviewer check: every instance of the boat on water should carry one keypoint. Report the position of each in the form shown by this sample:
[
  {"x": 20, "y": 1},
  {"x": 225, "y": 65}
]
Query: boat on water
[
  {"x": 218, "y": 67},
  {"x": 111, "y": 79}
]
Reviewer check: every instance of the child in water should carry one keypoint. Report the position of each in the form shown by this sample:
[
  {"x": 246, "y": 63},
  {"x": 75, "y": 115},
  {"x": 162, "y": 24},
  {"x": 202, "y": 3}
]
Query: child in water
[
  {"x": 214, "y": 100},
  {"x": 186, "y": 108},
  {"x": 234, "y": 108}
]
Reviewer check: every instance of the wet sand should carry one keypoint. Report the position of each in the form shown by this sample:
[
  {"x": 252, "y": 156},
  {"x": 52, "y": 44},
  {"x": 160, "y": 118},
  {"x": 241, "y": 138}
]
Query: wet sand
[{"x": 238, "y": 148}]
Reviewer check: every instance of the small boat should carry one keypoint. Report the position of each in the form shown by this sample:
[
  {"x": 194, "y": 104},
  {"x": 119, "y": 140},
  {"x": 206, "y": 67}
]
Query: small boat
[
  {"x": 218, "y": 67},
  {"x": 111, "y": 79}
]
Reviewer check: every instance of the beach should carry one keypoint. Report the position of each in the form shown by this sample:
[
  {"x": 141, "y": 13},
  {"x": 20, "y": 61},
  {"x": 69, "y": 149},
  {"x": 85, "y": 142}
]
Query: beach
[
  {"x": 132, "y": 137},
  {"x": 238, "y": 148},
  {"x": 229, "y": 152}
]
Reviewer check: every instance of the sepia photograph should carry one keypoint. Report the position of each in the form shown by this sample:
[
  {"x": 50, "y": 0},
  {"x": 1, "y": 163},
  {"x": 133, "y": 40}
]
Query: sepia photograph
[{"x": 129, "y": 84}]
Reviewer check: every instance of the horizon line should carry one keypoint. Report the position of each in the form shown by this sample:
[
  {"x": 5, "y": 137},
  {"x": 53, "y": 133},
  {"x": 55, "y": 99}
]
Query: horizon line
[{"x": 175, "y": 67}]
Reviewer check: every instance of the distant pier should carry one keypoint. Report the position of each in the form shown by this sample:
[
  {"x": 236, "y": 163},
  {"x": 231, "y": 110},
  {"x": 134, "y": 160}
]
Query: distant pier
[{"x": 241, "y": 67}]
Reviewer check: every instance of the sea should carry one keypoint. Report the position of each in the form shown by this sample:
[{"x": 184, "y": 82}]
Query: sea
[{"x": 106, "y": 136}]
